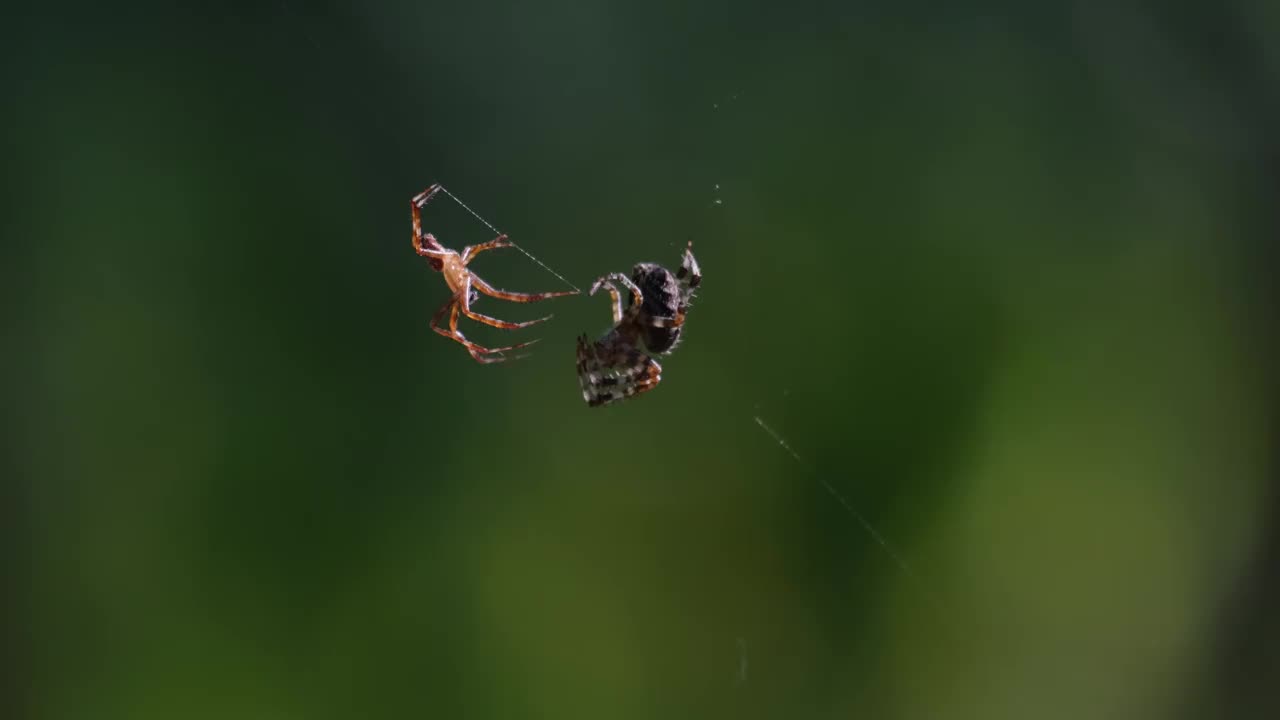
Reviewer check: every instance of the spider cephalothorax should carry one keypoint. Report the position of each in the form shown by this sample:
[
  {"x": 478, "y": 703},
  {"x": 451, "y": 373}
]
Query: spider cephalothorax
[
  {"x": 621, "y": 363},
  {"x": 465, "y": 285}
]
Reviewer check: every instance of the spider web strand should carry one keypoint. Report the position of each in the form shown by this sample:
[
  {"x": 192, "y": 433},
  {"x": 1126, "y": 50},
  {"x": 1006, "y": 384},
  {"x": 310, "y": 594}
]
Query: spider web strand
[
  {"x": 496, "y": 231},
  {"x": 866, "y": 524}
]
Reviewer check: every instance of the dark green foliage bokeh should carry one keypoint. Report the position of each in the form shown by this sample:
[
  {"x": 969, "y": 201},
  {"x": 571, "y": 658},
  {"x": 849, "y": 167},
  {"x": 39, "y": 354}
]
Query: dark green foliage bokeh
[{"x": 997, "y": 274}]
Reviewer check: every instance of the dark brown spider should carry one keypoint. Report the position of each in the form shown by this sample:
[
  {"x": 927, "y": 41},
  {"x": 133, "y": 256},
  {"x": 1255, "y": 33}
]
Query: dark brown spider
[
  {"x": 464, "y": 285},
  {"x": 621, "y": 363}
]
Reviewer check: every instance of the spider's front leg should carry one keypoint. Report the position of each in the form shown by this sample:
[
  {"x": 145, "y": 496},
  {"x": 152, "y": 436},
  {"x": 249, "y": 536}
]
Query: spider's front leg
[
  {"x": 425, "y": 244},
  {"x": 425, "y": 196},
  {"x": 689, "y": 275},
  {"x": 606, "y": 282},
  {"x": 469, "y": 252}
]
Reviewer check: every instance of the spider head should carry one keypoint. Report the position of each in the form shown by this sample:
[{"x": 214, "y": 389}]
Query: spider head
[{"x": 429, "y": 242}]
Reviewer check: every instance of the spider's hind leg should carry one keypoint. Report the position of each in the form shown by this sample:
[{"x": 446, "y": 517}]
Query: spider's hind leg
[
  {"x": 503, "y": 324},
  {"x": 480, "y": 353},
  {"x": 472, "y": 295},
  {"x": 492, "y": 291}
]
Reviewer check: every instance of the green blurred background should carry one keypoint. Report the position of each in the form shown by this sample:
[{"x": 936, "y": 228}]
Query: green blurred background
[{"x": 1000, "y": 274}]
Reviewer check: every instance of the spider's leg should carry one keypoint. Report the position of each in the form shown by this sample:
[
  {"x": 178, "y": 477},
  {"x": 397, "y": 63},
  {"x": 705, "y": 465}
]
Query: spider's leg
[
  {"x": 452, "y": 331},
  {"x": 479, "y": 352},
  {"x": 424, "y": 244},
  {"x": 689, "y": 275},
  {"x": 468, "y": 295},
  {"x": 492, "y": 291},
  {"x": 435, "y": 319},
  {"x": 613, "y": 293},
  {"x": 425, "y": 196},
  {"x": 486, "y": 356},
  {"x": 469, "y": 252},
  {"x": 475, "y": 349},
  {"x": 637, "y": 297},
  {"x": 503, "y": 323}
]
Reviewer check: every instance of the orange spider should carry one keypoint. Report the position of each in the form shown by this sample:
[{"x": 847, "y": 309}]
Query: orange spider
[{"x": 464, "y": 284}]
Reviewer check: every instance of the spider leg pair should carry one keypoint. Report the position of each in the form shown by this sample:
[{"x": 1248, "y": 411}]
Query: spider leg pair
[
  {"x": 621, "y": 364},
  {"x": 466, "y": 286}
]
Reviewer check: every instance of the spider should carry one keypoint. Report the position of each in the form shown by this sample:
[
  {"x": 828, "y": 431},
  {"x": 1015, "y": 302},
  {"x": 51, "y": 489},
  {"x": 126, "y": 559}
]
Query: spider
[
  {"x": 467, "y": 286},
  {"x": 620, "y": 364}
]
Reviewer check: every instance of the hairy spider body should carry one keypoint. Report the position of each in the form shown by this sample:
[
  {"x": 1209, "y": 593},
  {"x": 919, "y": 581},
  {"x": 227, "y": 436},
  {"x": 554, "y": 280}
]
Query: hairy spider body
[
  {"x": 621, "y": 364},
  {"x": 466, "y": 286},
  {"x": 662, "y": 299}
]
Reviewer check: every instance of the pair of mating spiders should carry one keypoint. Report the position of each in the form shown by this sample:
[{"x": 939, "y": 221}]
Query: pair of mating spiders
[{"x": 618, "y": 365}]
